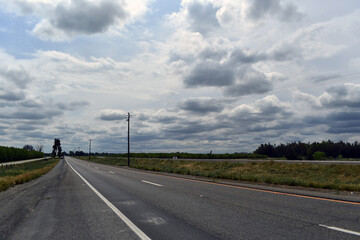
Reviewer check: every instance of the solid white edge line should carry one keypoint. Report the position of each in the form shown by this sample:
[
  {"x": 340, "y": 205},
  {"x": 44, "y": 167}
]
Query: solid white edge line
[
  {"x": 341, "y": 230},
  {"x": 159, "y": 185},
  {"x": 130, "y": 224},
  {"x": 111, "y": 172}
]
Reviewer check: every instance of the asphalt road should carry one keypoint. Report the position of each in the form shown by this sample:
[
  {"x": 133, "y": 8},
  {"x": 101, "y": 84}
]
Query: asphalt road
[{"x": 83, "y": 200}]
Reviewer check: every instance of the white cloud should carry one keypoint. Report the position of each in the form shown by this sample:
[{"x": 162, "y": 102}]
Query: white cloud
[
  {"x": 347, "y": 95},
  {"x": 64, "y": 19},
  {"x": 220, "y": 73}
]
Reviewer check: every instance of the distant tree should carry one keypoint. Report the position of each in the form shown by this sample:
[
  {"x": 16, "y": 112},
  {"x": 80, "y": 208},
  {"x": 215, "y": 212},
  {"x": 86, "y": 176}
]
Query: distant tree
[
  {"x": 28, "y": 147},
  {"x": 299, "y": 150},
  {"x": 8, "y": 154},
  {"x": 39, "y": 148},
  {"x": 56, "y": 148},
  {"x": 79, "y": 153}
]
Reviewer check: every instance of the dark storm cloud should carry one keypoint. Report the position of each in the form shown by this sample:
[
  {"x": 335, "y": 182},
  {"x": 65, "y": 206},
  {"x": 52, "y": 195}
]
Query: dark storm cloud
[
  {"x": 209, "y": 74},
  {"x": 338, "y": 90},
  {"x": 290, "y": 13},
  {"x": 261, "y": 8},
  {"x": 251, "y": 120},
  {"x": 233, "y": 69},
  {"x": 112, "y": 116},
  {"x": 344, "y": 116},
  {"x": 264, "y": 111},
  {"x": 336, "y": 122},
  {"x": 249, "y": 81},
  {"x": 343, "y": 122},
  {"x": 202, "y": 17},
  {"x": 257, "y": 86},
  {"x": 87, "y": 17},
  {"x": 281, "y": 125},
  {"x": 312, "y": 120},
  {"x": 33, "y": 115},
  {"x": 212, "y": 54},
  {"x": 11, "y": 96},
  {"x": 30, "y": 104},
  {"x": 164, "y": 119},
  {"x": 339, "y": 130},
  {"x": 188, "y": 128},
  {"x": 342, "y": 96},
  {"x": 202, "y": 106},
  {"x": 143, "y": 117},
  {"x": 26, "y": 127},
  {"x": 280, "y": 53},
  {"x": 266, "y": 115},
  {"x": 207, "y": 54},
  {"x": 285, "y": 53},
  {"x": 239, "y": 56},
  {"x": 145, "y": 137},
  {"x": 38, "y": 135},
  {"x": 18, "y": 76},
  {"x": 71, "y": 106},
  {"x": 271, "y": 110},
  {"x": 346, "y": 126}
]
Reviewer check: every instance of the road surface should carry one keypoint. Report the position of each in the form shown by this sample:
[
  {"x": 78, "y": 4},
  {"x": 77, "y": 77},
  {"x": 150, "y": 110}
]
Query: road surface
[{"x": 83, "y": 200}]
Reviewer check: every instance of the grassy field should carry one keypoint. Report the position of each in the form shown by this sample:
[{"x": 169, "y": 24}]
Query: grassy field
[
  {"x": 21, "y": 173},
  {"x": 107, "y": 160},
  {"x": 325, "y": 176}
]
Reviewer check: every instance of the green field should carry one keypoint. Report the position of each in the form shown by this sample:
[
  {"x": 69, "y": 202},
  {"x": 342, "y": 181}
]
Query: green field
[
  {"x": 117, "y": 161},
  {"x": 325, "y": 176},
  {"x": 21, "y": 173}
]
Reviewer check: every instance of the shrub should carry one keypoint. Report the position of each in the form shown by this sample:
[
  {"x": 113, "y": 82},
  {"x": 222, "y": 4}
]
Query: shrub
[{"x": 319, "y": 156}]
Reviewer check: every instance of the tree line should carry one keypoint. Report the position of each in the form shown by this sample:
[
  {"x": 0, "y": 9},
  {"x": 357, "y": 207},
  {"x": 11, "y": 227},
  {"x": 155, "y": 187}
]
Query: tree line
[
  {"x": 311, "y": 151},
  {"x": 8, "y": 154}
]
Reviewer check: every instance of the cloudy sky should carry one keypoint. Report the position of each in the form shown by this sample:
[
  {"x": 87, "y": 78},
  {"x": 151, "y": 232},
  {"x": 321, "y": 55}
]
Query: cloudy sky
[{"x": 196, "y": 75}]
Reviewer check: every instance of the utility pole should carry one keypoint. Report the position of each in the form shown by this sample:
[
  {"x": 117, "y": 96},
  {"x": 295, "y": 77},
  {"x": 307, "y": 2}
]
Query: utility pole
[
  {"x": 128, "y": 120},
  {"x": 89, "y": 148}
]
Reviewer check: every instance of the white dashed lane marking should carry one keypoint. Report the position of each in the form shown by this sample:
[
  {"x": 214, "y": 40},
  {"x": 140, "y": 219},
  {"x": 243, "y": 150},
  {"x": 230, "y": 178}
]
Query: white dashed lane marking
[
  {"x": 155, "y": 184},
  {"x": 341, "y": 230}
]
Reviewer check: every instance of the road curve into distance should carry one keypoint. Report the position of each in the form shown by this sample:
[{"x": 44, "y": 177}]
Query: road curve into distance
[{"x": 84, "y": 200}]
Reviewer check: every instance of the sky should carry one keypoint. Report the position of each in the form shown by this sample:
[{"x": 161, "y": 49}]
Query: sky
[{"x": 196, "y": 75}]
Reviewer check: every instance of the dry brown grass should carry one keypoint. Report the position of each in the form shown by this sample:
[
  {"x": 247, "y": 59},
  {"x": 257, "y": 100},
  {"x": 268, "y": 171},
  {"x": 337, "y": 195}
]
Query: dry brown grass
[{"x": 27, "y": 175}]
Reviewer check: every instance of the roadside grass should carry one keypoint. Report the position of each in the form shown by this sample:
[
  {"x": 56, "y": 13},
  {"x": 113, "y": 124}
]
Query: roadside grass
[
  {"x": 21, "y": 173},
  {"x": 117, "y": 161},
  {"x": 323, "y": 176}
]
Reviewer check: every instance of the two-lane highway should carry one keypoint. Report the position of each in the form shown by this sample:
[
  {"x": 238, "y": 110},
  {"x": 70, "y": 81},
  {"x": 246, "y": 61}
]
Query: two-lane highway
[{"x": 84, "y": 200}]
